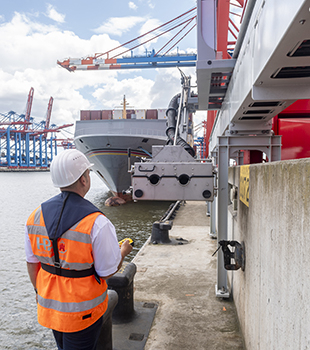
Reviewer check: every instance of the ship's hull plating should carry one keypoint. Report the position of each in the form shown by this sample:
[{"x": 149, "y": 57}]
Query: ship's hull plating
[{"x": 106, "y": 144}]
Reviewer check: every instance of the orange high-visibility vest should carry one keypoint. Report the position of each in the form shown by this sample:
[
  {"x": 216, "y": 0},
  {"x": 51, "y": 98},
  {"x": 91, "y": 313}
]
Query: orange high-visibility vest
[{"x": 67, "y": 304}]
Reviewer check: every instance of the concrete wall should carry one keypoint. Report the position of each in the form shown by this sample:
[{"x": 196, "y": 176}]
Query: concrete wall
[{"x": 272, "y": 294}]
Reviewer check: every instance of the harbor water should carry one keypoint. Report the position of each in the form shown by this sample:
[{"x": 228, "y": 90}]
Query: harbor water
[{"x": 21, "y": 193}]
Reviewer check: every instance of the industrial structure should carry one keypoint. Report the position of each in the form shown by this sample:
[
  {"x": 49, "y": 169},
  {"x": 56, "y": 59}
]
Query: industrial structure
[
  {"x": 252, "y": 78},
  {"x": 111, "y": 59},
  {"x": 223, "y": 32},
  {"x": 26, "y": 144},
  {"x": 123, "y": 57}
]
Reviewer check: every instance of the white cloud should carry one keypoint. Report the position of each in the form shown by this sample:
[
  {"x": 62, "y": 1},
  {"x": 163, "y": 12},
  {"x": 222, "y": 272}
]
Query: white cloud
[
  {"x": 54, "y": 15},
  {"x": 137, "y": 91},
  {"x": 29, "y": 59},
  {"x": 132, "y": 5},
  {"x": 118, "y": 25},
  {"x": 151, "y": 5},
  {"x": 30, "y": 51},
  {"x": 142, "y": 93},
  {"x": 149, "y": 25}
]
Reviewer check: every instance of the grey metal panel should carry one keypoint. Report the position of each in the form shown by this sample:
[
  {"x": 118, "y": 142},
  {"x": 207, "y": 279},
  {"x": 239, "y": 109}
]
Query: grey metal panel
[
  {"x": 275, "y": 28},
  {"x": 213, "y": 74},
  {"x": 173, "y": 174}
]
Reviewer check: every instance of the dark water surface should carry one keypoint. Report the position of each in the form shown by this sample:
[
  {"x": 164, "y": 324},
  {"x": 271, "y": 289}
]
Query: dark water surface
[{"x": 20, "y": 194}]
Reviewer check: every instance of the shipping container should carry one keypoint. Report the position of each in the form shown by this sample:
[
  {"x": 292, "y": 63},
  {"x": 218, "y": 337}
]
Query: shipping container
[
  {"x": 84, "y": 115},
  {"x": 151, "y": 114},
  {"x": 129, "y": 113},
  {"x": 117, "y": 114},
  {"x": 140, "y": 113},
  {"x": 107, "y": 114},
  {"x": 95, "y": 115},
  {"x": 162, "y": 113}
]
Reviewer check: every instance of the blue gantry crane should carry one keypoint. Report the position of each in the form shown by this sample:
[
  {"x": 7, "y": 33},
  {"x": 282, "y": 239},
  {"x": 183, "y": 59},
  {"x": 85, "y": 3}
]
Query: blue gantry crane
[
  {"x": 114, "y": 59},
  {"x": 24, "y": 143}
]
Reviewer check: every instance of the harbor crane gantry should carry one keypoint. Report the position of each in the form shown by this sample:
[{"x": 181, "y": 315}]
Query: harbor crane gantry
[
  {"x": 185, "y": 23},
  {"x": 111, "y": 59},
  {"x": 229, "y": 15},
  {"x": 25, "y": 143}
]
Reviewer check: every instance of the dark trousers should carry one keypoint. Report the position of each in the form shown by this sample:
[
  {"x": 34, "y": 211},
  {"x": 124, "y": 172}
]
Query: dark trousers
[{"x": 82, "y": 340}]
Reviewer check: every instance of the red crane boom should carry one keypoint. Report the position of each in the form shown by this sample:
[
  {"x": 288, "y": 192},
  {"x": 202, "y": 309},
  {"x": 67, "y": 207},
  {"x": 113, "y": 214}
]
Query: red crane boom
[
  {"x": 48, "y": 114},
  {"x": 28, "y": 108}
]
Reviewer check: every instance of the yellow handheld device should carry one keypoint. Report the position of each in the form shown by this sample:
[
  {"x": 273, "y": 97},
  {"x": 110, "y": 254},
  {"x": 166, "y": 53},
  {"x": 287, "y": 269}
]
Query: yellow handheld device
[{"x": 131, "y": 242}]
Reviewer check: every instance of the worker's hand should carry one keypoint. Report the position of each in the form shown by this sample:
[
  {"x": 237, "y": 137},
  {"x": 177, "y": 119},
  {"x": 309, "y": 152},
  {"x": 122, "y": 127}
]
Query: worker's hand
[{"x": 126, "y": 248}]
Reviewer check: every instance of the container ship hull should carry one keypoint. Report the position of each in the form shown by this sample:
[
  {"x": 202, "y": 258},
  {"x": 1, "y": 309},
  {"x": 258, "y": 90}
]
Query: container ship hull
[{"x": 106, "y": 144}]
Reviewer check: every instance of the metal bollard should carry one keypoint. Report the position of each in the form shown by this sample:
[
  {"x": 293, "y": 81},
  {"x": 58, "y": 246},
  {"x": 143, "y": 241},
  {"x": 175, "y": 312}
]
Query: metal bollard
[
  {"x": 122, "y": 283},
  {"x": 160, "y": 232},
  {"x": 105, "y": 337}
]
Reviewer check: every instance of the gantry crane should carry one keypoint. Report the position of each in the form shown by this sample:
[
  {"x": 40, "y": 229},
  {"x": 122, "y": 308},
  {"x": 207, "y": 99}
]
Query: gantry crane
[
  {"x": 23, "y": 142},
  {"x": 111, "y": 59},
  {"x": 227, "y": 31}
]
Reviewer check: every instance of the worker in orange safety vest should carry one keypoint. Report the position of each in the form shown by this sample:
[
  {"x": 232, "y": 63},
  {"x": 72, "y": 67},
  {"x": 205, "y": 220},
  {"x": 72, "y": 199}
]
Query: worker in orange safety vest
[{"x": 71, "y": 249}]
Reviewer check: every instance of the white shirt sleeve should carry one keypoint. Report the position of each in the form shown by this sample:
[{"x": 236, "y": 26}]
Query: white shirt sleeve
[
  {"x": 30, "y": 257},
  {"x": 106, "y": 251}
]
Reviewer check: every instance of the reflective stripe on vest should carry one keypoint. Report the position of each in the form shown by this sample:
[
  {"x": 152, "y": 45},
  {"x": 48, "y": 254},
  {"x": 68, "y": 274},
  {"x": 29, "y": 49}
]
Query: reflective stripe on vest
[
  {"x": 37, "y": 216},
  {"x": 71, "y": 307}
]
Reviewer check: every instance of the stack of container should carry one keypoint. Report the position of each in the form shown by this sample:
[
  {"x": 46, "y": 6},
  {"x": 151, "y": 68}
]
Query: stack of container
[
  {"x": 118, "y": 114},
  {"x": 151, "y": 114},
  {"x": 96, "y": 115}
]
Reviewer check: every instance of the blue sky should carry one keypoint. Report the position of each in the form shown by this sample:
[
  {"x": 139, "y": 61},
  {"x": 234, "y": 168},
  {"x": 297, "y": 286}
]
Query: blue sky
[{"x": 35, "y": 34}]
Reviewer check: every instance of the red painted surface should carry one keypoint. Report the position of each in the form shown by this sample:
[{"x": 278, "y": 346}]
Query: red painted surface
[
  {"x": 222, "y": 27},
  {"x": 107, "y": 114},
  {"x": 208, "y": 125},
  {"x": 85, "y": 115},
  {"x": 295, "y": 137},
  {"x": 151, "y": 114},
  {"x": 87, "y": 61},
  {"x": 300, "y": 107},
  {"x": 95, "y": 115},
  {"x": 294, "y": 126}
]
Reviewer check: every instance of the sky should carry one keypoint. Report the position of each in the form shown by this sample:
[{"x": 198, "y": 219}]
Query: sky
[{"x": 34, "y": 34}]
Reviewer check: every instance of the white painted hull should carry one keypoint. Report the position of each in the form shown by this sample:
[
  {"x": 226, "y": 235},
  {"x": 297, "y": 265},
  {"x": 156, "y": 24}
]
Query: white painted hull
[{"x": 106, "y": 144}]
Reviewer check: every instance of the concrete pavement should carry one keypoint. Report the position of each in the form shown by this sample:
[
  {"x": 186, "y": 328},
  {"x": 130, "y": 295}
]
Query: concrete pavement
[{"x": 181, "y": 279}]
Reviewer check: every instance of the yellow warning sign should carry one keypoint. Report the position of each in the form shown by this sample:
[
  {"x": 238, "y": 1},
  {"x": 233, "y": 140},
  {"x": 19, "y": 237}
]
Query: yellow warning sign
[{"x": 244, "y": 184}]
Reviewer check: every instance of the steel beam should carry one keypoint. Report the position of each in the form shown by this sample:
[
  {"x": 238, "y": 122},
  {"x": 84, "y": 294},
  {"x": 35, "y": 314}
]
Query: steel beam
[
  {"x": 229, "y": 147},
  {"x": 223, "y": 153},
  {"x": 213, "y": 233}
]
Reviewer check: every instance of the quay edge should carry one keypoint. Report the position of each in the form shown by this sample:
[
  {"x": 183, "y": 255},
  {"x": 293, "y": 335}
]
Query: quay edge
[{"x": 181, "y": 279}]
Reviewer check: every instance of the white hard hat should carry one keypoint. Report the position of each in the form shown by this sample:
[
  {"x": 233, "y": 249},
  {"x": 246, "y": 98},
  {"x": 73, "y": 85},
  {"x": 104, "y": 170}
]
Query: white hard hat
[{"x": 68, "y": 167}]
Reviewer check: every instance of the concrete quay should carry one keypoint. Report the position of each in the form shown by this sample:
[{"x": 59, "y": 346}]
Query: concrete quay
[{"x": 181, "y": 279}]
